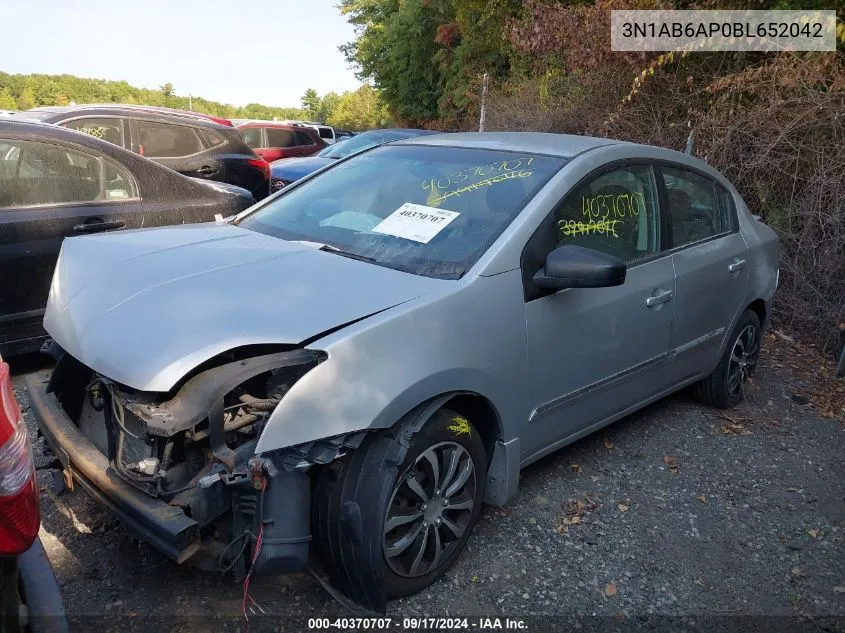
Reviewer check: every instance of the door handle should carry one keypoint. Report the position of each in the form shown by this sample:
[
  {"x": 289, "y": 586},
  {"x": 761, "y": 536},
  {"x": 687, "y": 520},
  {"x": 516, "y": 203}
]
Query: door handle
[
  {"x": 658, "y": 299},
  {"x": 736, "y": 266},
  {"x": 95, "y": 227},
  {"x": 206, "y": 170}
]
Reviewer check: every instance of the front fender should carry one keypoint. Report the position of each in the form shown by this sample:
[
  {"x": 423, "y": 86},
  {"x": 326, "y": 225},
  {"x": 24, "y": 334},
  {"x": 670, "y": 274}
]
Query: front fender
[{"x": 471, "y": 339}]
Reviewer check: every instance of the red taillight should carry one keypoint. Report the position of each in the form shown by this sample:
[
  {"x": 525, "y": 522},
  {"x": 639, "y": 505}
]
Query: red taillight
[
  {"x": 19, "y": 514},
  {"x": 262, "y": 164}
]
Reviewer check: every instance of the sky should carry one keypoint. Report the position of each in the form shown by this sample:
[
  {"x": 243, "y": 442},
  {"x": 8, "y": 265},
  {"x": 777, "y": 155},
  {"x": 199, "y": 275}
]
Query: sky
[{"x": 234, "y": 52}]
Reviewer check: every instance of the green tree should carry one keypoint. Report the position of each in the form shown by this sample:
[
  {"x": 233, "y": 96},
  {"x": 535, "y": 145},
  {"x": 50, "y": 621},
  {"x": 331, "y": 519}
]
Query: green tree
[
  {"x": 167, "y": 89},
  {"x": 328, "y": 105},
  {"x": 7, "y": 101},
  {"x": 360, "y": 110},
  {"x": 26, "y": 99},
  {"x": 311, "y": 103}
]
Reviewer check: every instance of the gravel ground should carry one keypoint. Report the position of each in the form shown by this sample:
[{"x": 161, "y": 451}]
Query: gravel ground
[{"x": 679, "y": 510}]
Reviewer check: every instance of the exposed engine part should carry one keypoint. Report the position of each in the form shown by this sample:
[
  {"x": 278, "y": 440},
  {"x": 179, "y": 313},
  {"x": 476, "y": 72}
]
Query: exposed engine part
[{"x": 148, "y": 466}]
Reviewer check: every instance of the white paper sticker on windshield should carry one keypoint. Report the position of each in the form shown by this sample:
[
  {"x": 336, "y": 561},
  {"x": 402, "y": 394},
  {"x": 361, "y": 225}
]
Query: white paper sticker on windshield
[{"x": 415, "y": 222}]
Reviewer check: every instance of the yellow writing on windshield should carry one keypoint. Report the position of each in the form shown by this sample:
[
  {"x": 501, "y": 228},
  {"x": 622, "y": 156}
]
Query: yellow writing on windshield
[
  {"x": 569, "y": 228},
  {"x": 476, "y": 171},
  {"x": 487, "y": 182}
]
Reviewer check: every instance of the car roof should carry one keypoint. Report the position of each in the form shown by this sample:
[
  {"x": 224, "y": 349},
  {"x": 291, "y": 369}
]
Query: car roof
[
  {"x": 275, "y": 124},
  {"x": 563, "y": 145},
  {"x": 151, "y": 112}
]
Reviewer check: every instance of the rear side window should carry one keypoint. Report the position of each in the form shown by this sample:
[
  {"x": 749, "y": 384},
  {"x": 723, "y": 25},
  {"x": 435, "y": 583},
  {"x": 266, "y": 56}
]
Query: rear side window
[
  {"x": 107, "y": 129},
  {"x": 213, "y": 138},
  {"x": 277, "y": 137},
  {"x": 252, "y": 136},
  {"x": 616, "y": 213},
  {"x": 694, "y": 208},
  {"x": 167, "y": 140},
  {"x": 33, "y": 173},
  {"x": 303, "y": 139}
]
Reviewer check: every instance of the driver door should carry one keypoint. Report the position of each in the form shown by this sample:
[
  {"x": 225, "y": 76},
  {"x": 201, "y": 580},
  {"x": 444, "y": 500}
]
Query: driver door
[{"x": 596, "y": 352}]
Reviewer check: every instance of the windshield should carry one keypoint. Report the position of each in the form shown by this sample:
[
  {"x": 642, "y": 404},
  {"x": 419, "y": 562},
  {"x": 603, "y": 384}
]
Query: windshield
[
  {"x": 430, "y": 211},
  {"x": 362, "y": 141}
]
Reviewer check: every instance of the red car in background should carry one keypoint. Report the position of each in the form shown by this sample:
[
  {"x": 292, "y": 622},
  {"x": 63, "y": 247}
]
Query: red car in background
[
  {"x": 29, "y": 594},
  {"x": 272, "y": 140}
]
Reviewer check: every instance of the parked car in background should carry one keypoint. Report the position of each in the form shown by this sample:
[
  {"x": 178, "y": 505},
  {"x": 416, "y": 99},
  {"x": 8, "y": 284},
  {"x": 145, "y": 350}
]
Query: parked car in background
[
  {"x": 284, "y": 172},
  {"x": 426, "y": 318},
  {"x": 188, "y": 143},
  {"x": 30, "y": 601},
  {"x": 326, "y": 132},
  {"x": 57, "y": 183},
  {"x": 8, "y": 112},
  {"x": 274, "y": 141}
]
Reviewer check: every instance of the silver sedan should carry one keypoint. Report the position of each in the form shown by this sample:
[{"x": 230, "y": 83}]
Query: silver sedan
[{"x": 353, "y": 366}]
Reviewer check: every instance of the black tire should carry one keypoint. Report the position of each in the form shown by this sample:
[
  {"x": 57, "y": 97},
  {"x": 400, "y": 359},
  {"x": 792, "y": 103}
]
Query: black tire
[
  {"x": 366, "y": 486},
  {"x": 723, "y": 388}
]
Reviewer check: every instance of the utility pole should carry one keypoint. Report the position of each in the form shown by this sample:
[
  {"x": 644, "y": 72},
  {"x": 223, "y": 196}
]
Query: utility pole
[
  {"x": 190, "y": 103},
  {"x": 483, "y": 104}
]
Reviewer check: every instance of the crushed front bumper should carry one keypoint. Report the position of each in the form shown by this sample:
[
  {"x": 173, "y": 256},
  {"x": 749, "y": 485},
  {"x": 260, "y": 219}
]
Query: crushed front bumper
[{"x": 165, "y": 527}]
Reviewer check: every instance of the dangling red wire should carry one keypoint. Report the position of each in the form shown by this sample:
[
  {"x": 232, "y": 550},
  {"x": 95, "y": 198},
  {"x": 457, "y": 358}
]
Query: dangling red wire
[{"x": 258, "y": 541}]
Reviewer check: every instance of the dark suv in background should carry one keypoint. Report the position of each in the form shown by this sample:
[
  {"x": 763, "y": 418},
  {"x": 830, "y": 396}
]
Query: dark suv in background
[{"x": 193, "y": 145}]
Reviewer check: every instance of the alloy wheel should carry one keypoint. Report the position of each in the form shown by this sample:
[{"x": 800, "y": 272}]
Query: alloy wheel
[
  {"x": 429, "y": 510},
  {"x": 743, "y": 358}
]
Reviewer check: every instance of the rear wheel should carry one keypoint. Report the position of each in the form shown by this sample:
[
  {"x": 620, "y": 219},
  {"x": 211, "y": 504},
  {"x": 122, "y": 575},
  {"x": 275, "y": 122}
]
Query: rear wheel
[{"x": 723, "y": 388}]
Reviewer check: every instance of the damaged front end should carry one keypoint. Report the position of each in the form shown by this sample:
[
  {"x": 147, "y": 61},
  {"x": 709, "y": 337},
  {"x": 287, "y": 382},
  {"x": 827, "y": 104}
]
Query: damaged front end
[{"x": 190, "y": 453}]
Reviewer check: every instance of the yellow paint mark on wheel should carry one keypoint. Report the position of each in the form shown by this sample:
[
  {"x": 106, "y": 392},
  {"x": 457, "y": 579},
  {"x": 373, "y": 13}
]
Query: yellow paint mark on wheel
[{"x": 460, "y": 426}]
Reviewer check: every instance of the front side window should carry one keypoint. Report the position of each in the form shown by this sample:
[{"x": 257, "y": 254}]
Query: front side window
[
  {"x": 694, "y": 206},
  {"x": 166, "y": 140},
  {"x": 277, "y": 137},
  {"x": 33, "y": 173},
  {"x": 107, "y": 129},
  {"x": 616, "y": 213},
  {"x": 429, "y": 211}
]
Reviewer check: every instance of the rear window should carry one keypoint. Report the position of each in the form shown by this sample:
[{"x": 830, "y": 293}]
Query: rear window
[
  {"x": 304, "y": 139},
  {"x": 166, "y": 140},
  {"x": 277, "y": 137}
]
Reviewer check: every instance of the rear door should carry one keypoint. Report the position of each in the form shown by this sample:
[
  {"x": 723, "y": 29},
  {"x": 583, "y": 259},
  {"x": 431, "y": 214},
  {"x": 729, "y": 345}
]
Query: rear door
[
  {"x": 182, "y": 147},
  {"x": 49, "y": 191},
  {"x": 710, "y": 260}
]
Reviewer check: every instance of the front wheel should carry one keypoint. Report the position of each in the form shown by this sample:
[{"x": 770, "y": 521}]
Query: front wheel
[
  {"x": 435, "y": 502},
  {"x": 415, "y": 502},
  {"x": 723, "y": 388}
]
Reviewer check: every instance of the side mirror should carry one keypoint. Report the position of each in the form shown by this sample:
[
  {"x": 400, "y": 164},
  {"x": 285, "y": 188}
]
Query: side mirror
[{"x": 572, "y": 266}]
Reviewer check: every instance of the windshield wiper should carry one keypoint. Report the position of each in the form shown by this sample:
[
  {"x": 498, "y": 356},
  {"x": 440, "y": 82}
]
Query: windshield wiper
[{"x": 328, "y": 248}]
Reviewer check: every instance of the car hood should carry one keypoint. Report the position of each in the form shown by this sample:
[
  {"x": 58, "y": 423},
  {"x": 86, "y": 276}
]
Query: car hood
[
  {"x": 291, "y": 169},
  {"x": 145, "y": 307}
]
